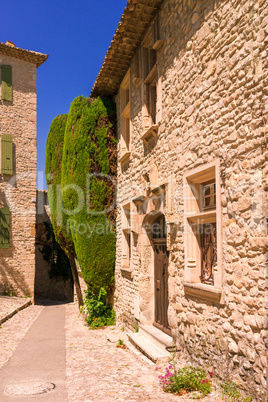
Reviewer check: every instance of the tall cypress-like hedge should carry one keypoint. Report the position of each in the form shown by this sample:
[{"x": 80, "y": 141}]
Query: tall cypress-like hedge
[
  {"x": 53, "y": 170},
  {"x": 88, "y": 164}
]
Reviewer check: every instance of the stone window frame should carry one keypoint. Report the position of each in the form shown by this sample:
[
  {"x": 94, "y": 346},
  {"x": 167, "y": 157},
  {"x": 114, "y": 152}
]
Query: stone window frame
[
  {"x": 127, "y": 239},
  {"x": 151, "y": 82},
  {"x": 195, "y": 215},
  {"x": 125, "y": 121}
]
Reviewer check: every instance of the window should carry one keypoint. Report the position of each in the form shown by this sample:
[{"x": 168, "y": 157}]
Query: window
[
  {"x": 4, "y": 227},
  {"x": 125, "y": 119},
  {"x": 208, "y": 195},
  {"x": 6, "y": 78},
  {"x": 6, "y": 154},
  {"x": 151, "y": 82},
  {"x": 202, "y": 237},
  {"x": 157, "y": 42},
  {"x": 126, "y": 237}
]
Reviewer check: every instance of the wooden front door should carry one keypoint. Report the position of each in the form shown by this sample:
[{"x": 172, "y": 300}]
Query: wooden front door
[{"x": 161, "y": 284}]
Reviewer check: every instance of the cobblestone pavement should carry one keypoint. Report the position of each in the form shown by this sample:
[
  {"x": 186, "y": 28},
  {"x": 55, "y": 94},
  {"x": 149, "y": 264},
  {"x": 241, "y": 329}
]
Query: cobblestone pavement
[
  {"x": 99, "y": 371},
  {"x": 96, "y": 370},
  {"x": 13, "y": 331},
  {"x": 10, "y": 305}
]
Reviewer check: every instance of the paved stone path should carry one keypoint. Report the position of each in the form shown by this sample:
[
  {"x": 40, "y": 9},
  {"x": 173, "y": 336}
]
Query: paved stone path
[
  {"x": 37, "y": 368},
  {"x": 14, "y": 330},
  {"x": 99, "y": 371},
  {"x": 96, "y": 370},
  {"x": 11, "y": 305}
]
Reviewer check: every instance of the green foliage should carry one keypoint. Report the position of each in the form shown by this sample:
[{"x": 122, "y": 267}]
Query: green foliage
[
  {"x": 9, "y": 293},
  {"x": 55, "y": 256},
  {"x": 98, "y": 313},
  {"x": 53, "y": 170},
  {"x": 90, "y": 148},
  {"x": 80, "y": 160},
  {"x": 231, "y": 393},
  {"x": 120, "y": 342},
  {"x": 187, "y": 379}
]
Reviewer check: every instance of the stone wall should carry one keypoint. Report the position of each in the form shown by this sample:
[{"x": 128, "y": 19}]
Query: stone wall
[
  {"x": 213, "y": 69},
  {"x": 18, "y": 191}
]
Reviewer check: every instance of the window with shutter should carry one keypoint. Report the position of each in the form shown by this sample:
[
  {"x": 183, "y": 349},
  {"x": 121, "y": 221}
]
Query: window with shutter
[
  {"x": 6, "y": 154},
  {"x": 4, "y": 227},
  {"x": 202, "y": 231},
  {"x": 125, "y": 139},
  {"x": 157, "y": 42},
  {"x": 6, "y": 76},
  {"x": 137, "y": 66}
]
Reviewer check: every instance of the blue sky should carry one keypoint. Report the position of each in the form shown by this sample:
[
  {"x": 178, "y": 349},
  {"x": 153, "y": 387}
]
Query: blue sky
[{"x": 76, "y": 35}]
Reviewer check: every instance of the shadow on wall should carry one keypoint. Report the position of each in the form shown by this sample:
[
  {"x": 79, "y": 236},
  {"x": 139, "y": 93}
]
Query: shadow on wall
[
  {"x": 47, "y": 287},
  {"x": 12, "y": 281}
]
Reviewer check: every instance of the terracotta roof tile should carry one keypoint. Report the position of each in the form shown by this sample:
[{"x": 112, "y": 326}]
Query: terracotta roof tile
[
  {"x": 23, "y": 54},
  {"x": 137, "y": 16}
]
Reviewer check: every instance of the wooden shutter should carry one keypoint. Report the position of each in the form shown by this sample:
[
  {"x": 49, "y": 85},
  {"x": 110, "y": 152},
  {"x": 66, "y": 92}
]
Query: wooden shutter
[
  {"x": 6, "y": 154},
  {"x": 137, "y": 64},
  {"x": 6, "y": 74},
  {"x": 4, "y": 227},
  {"x": 156, "y": 30}
]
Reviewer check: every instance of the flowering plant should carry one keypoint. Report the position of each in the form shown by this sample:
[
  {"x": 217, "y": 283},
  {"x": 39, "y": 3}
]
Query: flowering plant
[{"x": 187, "y": 379}]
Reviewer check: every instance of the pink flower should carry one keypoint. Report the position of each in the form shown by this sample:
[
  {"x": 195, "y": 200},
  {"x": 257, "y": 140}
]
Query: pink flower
[{"x": 211, "y": 374}]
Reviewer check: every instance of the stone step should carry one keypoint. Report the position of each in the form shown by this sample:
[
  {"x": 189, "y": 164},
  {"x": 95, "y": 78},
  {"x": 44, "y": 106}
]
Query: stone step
[
  {"x": 157, "y": 337},
  {"x": 149, "y": 349}
]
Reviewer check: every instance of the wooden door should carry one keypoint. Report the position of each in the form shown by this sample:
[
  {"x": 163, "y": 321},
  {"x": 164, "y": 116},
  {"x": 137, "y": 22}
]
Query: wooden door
[{"x": 161, "y": 284}]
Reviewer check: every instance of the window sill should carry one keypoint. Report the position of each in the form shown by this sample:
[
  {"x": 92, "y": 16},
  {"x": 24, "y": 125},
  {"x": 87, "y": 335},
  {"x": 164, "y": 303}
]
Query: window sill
[
  {"x": 203, "y": 291},
  {"x": 151, "y": 77},
  {"x": 137, "y": 80},
  {"x": 127, "y": 272},
  {"x": 158, "y": 44},
  {"x": 203, "y": 217},
  {"x": 125, "y": 157},
  {"x": 150, "y": 133},
  {"x": 126, "y": 111}
]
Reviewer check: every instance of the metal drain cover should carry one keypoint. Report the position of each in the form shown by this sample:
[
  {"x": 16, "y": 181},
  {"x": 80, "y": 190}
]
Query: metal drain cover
[{"x": 29, "y": 388}]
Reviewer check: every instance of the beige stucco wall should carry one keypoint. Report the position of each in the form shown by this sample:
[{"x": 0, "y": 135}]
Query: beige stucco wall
[
  {"x": 213, "y": 69},
  {"x": 18, "y": 191}
]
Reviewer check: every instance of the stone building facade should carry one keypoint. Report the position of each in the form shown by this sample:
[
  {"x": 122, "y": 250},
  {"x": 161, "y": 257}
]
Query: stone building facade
[
  {"x": 190, "y": 83},
  {"x": 18, "y": 168}
]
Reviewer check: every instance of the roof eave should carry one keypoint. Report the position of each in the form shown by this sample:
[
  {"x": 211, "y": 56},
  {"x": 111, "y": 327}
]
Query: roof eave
[
  {"x": 27, "y": 55},
  {"x": 137, "y": 16}
]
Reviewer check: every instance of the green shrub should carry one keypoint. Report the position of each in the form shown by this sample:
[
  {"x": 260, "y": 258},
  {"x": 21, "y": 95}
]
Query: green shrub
[
  {"x": 231, "y": 393},
  {"x": 89, "y": 158},
  {"x": 187, "y": 379},
  {"x": 53, "y": 170},
  {"x": 98, "y": 313}
]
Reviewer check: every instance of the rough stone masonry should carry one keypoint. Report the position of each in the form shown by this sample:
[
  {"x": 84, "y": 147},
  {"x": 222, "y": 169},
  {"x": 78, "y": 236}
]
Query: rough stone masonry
[
  {"x": 18, "y": 188},
  {"x": 212, "y": 105}
]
